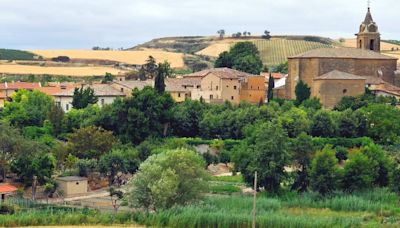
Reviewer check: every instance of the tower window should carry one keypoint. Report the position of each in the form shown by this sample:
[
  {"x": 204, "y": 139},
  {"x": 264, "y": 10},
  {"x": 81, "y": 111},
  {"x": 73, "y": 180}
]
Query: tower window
[
  {"x": 372, "y": 45},
  {"x": 344, "y": 91}
]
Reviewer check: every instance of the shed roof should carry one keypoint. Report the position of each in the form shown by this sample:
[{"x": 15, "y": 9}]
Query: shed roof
[
  {"x": 71, "y": 178},
  {"x": 7, "y": 188}
]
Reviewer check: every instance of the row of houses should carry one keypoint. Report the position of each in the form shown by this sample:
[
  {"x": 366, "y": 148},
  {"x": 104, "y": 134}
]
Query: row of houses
[{"x": 213, "y": 86}]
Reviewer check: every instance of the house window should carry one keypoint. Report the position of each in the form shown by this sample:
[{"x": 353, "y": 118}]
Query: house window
[
  {"x": 371, "y": 45},
  {"x": 235, "y": 87},
  {"x": 232, "y": 98},
  {"x": 122, "y": 89},
  {"x": 198, "y": 87},
  {"x": 216, "y": 88},
  {"x": 344, "y": 91},
  {"x": 179, "y": 94},
  {"x": 102, "y": 101},
  {"x": 227, "y": 86},
  {"x": 67, "y": 107},
  {"x": 211, "y": 97}
]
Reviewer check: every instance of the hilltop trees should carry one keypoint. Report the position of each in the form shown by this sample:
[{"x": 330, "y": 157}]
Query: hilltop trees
[
  {"x": 83, "y": 97},
  {"x": 243, "y": 56},
  {"x": 221, "y": 33}
]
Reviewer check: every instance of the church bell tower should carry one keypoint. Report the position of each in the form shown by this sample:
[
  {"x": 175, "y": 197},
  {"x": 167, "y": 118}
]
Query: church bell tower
[{"x": 369, "y": 37}]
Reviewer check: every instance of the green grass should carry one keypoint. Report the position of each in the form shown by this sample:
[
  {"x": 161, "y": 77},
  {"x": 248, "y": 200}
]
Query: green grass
[
  {"x": 276, "y": 51},
  {"x": 9, "y": 54},
  {"x": 230, "y": 179}
]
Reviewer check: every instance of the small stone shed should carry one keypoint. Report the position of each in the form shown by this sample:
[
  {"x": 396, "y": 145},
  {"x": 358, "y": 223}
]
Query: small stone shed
[
  {"x": 6, "y": 190},
  {"x": 72, "y": 185}
]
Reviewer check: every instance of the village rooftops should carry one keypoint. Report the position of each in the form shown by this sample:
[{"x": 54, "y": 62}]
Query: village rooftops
[
  {"x": 223, "y": 73},
  {"x": 19, "y": 85},
  {"x": 7, "y": 188},
  {"x": 101, "y": 90},
  {"x": 342, "y": 53},
  {"x": 339, "y": 75},
  {"x": 135, "y": 84}
]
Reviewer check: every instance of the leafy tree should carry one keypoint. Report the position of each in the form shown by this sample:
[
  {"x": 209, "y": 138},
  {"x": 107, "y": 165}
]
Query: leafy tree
[
  {"x": 359, "y": 172},
  {"x": 187, "y": 117},
  {"x": 243, "y": 56},
  {"x": 323, "y": 125},
  {"x": 312, "y": 104},
  {"x": 79, "y": 118},
  {"x": 40, "y": 165},
  {"x": 395, "y": 179},
  {"x": 303, "y": 151},
  {"x": 348, "y": 124},
  {"x": 282, "y": 68},
  {"x": 383, "y": 123},
  {"x": 384, "y": 164},
  {"x": 56, "y": 117},
  {"x": 90, "y": 142},
  {"x": 324, "y": 173},
  {"x": 83, "y": 97},
  {"x": 303, "y": 92},
  {"x": 9, "y": 146},
  {"x": 224, "y": 60},
  {"x": 267, "y": 35},
  {"x": 150, "y": 69},
  {"x": 107, "y": 78},
  {"x": 112, "y": 163},
  {"x": 136, "y": 118},
  {"x": 27, "y": 109},
  {"x": 268, "y": 151},
  {"x": 174, "y": 177},
  {"x": 271, "y": 86},
  {"x": 295, "y": 121},
  {"x": 221, "y": 33},
  {"x": 86, "y": 166},
  {"x": 164, "y": 71}
]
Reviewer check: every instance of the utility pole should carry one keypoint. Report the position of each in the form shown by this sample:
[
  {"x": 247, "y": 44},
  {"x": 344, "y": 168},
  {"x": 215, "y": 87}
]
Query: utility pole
[{"x": 255, "y": 200}]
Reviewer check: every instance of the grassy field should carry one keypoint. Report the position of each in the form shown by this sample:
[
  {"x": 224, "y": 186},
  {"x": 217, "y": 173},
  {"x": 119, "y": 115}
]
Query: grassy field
[
  {"x": 16, "y": 69},
  {"x": 129, "y": 57},
  {"x": 9, "y": 54}
]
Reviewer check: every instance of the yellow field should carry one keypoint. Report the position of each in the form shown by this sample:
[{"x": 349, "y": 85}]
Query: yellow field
[
  {"x": 129, "y": 57},
  {"x": 384, "y": 46},
  {"x": 62, "y": 71},
  {"x": 217, "y": 48}
]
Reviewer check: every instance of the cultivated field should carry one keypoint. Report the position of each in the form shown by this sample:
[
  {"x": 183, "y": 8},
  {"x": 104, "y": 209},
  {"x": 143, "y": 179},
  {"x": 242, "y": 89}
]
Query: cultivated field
[
  {"x": 276, "y": 51},
  {"x": 384, "y": 46},
  {"x": 129, "y": 57},
  {"x": 62, "y": 71},
  {"x": 218, "y": 47}
]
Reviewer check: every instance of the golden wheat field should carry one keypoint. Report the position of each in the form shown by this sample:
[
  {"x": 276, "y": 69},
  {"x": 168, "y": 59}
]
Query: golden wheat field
[
  {"x": 62, "y": 71},
  {"x": 129, "y": 57},
  {"x": 384, "y": 46}
]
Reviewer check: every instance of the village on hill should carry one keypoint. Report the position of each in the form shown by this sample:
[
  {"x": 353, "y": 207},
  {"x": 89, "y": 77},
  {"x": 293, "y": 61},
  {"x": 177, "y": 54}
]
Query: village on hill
[{"x": 225, "y": 131}]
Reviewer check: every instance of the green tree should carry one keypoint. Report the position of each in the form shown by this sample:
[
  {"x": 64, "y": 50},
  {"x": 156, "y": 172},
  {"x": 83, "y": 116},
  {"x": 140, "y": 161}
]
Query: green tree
[
  {"x": 395, "y": 179},
  {"x": 56, "y": 117},
  {"x": 295, "y": 121},
  {"x": 359, "y": 172},
  {"x": 83, "y": 97},
  {"x": 224, "y": 60},
  {"x": 324, "y": 173},
  {"x": 250, "y": 64},
  {"x": 107, "y": 78},
  {"x": 174, "y": 177},
  {"x": 150, "y": 68},
  {"x": 384, "y": 164},
  {"x": 90, "y": 142},
  {"x": 303, "y": 92},
  {"x": 323, "y": 125},
  {"x": 163, "y": 71},
  {"x": 187, "y": 117},
  {"x": 271, "y": 86},
  {"x": 282, "y": 68},
  {"x": 27, "y": 109},
  {"x": 303, "y": 151},
  {"x": 112, "y": 163},
  {"x": 348, "y": 124},
  {"x": 9, "y": 146}
]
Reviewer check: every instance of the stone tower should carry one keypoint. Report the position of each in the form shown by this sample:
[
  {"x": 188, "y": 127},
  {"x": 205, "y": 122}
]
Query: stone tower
[{"x": 369, "y": 37}]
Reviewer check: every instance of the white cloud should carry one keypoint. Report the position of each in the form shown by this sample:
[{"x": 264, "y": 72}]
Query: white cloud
[{"x": 84, "y": 23}]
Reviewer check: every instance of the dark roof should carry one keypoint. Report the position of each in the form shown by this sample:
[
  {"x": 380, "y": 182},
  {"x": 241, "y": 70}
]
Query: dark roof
[
  {"x": 368, "y": 18},
  {"x": 339, "y": 75},
  {"x": 224, "y": 73},
  {"x": 342, "y": 53},
  {"x": 71, "y": 178}
]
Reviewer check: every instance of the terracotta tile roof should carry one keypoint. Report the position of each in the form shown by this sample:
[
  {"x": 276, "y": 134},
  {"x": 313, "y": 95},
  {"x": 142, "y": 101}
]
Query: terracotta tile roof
[
  {"x": 52, "y": 90},
  {"x": 99, "y": 90},
  {"x": 7, "y": 188},
  {"x": 339, "y": 75},
  {"x": 343, "y": 53},
  {"x": 274, "y": 75},
  {"x": 224, "y": 73},
  {"x": 19, "y": 85}
]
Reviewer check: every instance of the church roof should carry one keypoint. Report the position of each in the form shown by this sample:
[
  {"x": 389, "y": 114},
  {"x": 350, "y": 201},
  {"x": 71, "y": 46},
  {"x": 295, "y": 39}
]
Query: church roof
[
  {"x": 342, "y": 53},
  {"x": 368, "y": 18},
  {"x": 339, "y": 75}
]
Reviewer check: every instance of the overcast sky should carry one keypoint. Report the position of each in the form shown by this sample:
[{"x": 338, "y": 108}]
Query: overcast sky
[{"x": 70, "y": 24}]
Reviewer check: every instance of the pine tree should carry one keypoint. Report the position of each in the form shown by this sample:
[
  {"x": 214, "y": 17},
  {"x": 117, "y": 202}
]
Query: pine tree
[
  {"x": 164, "y": 71},
  {"x": 271, "y": 86}
]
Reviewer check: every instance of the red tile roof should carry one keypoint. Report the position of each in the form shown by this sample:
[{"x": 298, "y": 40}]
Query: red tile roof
[
  {"x": 274, "y": 75},
  {"x": 2, "y": 95},
  {"x": 20, "y": 85},
  {"x": 7, "y": 188}
]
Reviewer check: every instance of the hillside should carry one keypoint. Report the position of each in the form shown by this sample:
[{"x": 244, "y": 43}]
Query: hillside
[
  {"x": 9, "y": 54},
  {"x": 385, "y": 46}
]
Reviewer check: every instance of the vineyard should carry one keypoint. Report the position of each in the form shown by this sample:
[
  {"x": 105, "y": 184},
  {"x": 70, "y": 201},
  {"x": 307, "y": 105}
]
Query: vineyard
[
  {"x": 276, "y": 51},
  {"x": 8, "y": 54}
]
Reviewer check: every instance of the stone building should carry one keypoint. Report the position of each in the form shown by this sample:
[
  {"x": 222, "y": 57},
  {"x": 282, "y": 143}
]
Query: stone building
[{"x": 318, "y": 67}]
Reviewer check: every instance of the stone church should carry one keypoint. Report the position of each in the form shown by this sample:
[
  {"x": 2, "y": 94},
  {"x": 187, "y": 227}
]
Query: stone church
[{"x": 333, "y": 73}]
